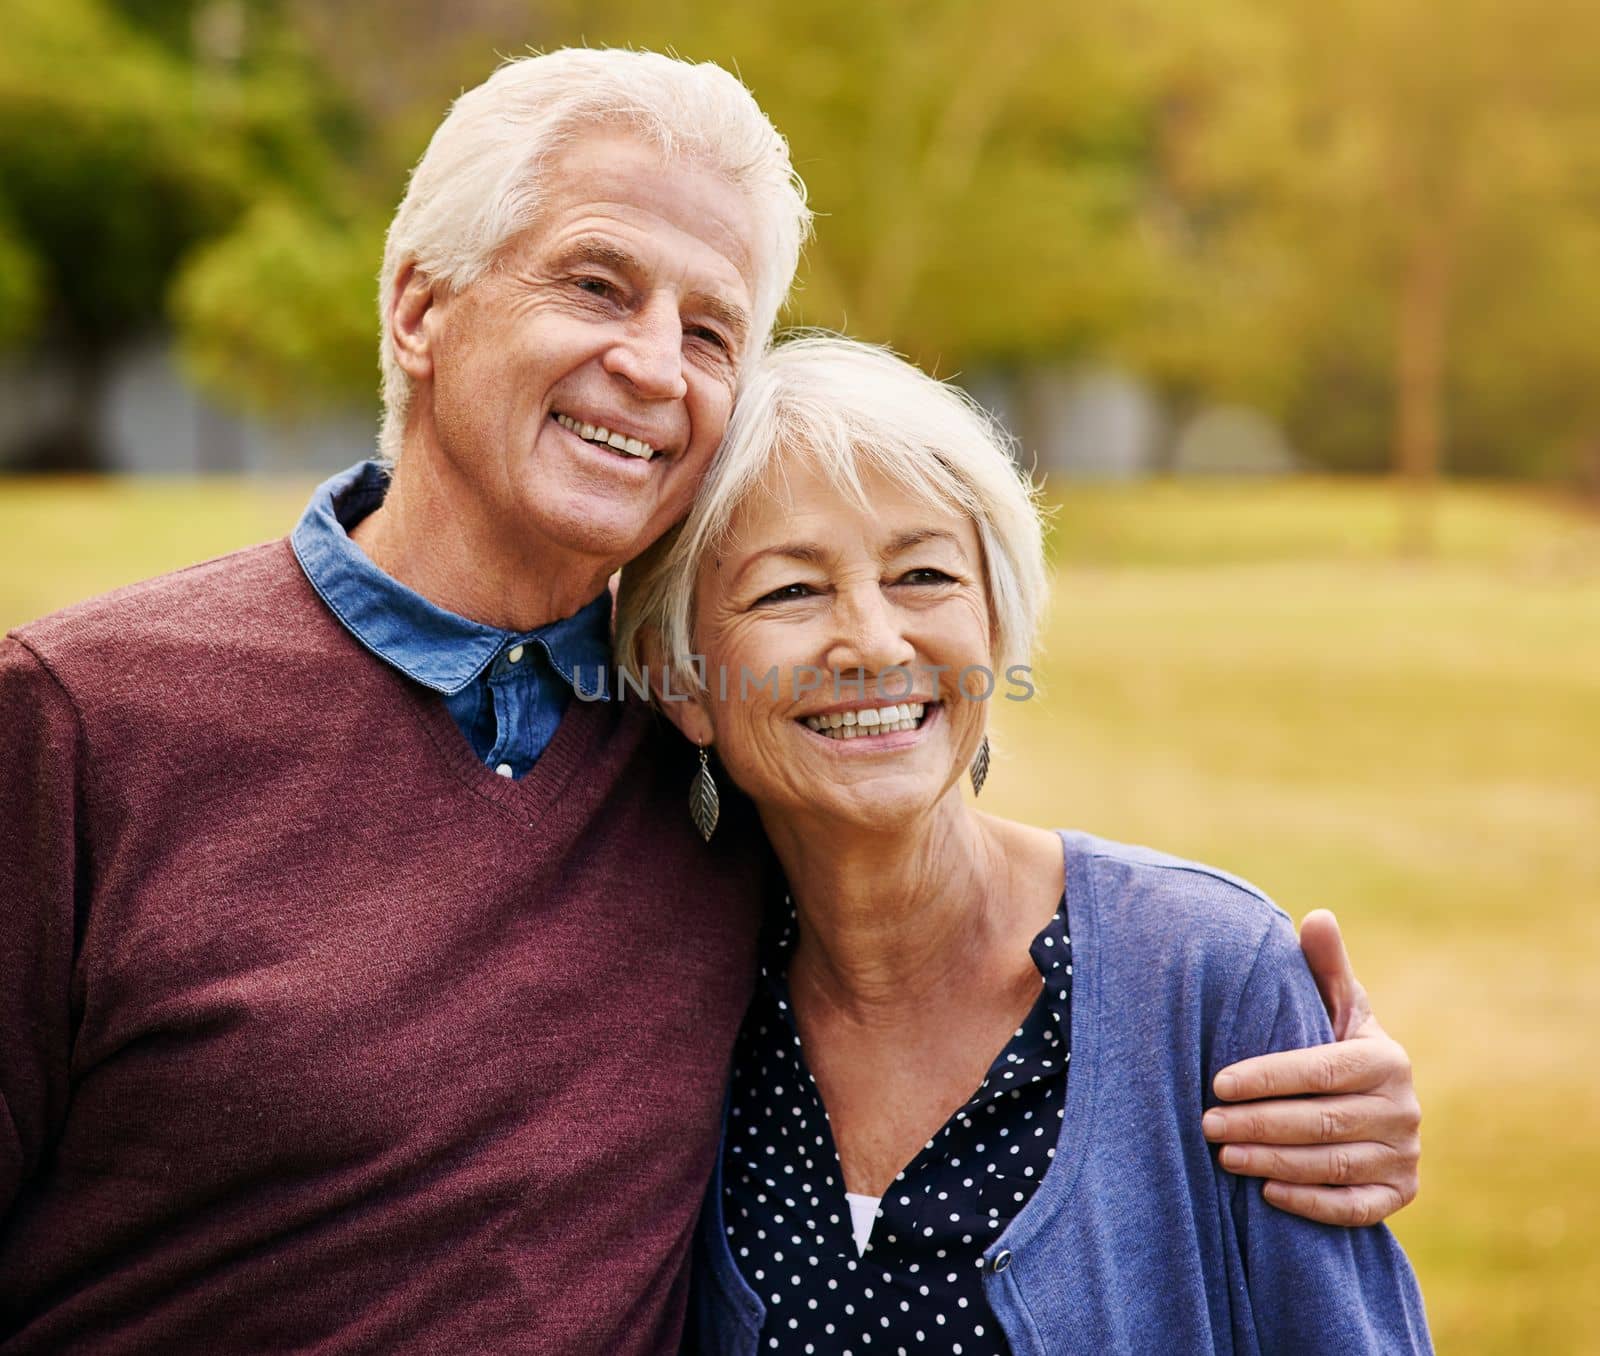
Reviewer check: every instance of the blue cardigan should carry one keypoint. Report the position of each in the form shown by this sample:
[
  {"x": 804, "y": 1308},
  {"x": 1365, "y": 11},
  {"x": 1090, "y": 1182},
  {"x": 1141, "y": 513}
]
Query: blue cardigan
[{"x": 1136, "y": 1241}]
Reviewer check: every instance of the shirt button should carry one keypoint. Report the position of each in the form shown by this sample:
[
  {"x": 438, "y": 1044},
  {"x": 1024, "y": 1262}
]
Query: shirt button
[
  {"x": 1002, "y": 1260},
  {"x": 514, "y": 654},
  {"x": 505, "y": 770}
]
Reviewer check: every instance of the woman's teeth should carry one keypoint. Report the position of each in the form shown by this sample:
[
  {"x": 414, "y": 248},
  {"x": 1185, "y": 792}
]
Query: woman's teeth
[
  {"x": 598, "y": 433},
  {"x": 877, "y": 720}
]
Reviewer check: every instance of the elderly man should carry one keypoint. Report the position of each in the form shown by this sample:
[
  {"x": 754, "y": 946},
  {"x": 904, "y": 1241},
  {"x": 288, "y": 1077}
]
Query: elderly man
[{"x": 359, "y": 989}]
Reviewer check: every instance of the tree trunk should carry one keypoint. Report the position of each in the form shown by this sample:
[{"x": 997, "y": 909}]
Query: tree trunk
[
  {"x": 1419, "y": 385},
  {"x": 74, "y": 442}
]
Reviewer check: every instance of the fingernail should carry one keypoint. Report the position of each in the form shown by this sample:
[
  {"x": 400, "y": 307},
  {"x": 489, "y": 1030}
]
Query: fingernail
[
  {"x": 1232, "y": 1156},
  {"x": 1226, "y": 1085},
  {"x": 1213, "y": 1123}
]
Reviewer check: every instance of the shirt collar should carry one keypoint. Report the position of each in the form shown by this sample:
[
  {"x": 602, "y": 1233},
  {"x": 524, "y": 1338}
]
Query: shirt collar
[{"x": 440, "y": 650}]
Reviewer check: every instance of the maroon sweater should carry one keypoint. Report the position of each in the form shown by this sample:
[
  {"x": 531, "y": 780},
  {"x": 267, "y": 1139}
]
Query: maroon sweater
[{"x": 317, "y": 1035}]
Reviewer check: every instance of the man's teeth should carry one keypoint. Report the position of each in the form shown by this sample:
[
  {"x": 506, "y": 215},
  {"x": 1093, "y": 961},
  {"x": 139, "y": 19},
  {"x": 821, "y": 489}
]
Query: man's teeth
[
  {"x": 598, "y": 433},
  {"x": 876, "y": 720}
]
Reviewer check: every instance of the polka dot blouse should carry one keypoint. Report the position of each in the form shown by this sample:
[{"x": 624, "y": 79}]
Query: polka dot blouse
[{"x": 917, "y": 1287}]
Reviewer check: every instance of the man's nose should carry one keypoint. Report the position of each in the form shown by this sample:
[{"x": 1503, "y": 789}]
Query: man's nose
[
  {"x": 869, "y": 637},
  {"x": 649, "y": 353}
]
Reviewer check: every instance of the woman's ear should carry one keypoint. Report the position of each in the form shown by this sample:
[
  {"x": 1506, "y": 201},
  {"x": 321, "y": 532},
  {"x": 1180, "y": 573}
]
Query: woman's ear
[
  {"x": 691, "y": 717},
  {"x": 685, "y": 709}
]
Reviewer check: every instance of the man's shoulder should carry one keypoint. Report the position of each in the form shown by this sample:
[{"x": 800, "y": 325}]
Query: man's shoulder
[
  {"x": 194, "y": 607},
  {"x": 183, "y": 621},
  {"x": 1171, "y": 910}
]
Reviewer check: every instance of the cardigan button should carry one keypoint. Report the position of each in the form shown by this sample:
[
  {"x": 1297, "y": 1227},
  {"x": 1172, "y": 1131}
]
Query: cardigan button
[{"x": 1002, "y": 1260}]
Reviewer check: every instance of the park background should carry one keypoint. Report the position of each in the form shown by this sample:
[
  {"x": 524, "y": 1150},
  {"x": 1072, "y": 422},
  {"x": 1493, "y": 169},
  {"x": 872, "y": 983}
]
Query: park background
[{"x": 1291, "y": 302}]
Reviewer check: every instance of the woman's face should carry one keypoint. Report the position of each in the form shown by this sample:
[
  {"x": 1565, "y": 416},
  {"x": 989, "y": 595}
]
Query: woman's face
[{"x": 892, "y": 601}]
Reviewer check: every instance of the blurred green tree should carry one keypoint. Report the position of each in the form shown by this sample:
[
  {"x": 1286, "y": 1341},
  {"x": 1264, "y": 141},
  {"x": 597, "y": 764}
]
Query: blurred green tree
[
  {"x": 1374, "y": 219},
  {"x": 978, "y": 172},
  {"x": 126, "y": 138},
  {"x": 1402, "y": 201}
]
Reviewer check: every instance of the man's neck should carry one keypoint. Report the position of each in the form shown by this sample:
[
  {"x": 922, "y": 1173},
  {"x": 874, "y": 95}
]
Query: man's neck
[{"x": 426, "y": 535}]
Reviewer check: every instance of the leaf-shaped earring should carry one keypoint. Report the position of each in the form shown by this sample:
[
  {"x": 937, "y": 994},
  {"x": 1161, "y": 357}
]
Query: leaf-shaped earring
[
  {"x": 979, "y": 770},
  {"x": 704, "y": 803}
]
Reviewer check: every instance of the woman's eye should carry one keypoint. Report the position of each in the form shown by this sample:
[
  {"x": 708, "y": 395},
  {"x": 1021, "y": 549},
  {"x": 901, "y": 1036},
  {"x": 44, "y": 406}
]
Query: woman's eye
[
  {"x": 926, "y": 576},
  {"x": 788, "y": 593}
]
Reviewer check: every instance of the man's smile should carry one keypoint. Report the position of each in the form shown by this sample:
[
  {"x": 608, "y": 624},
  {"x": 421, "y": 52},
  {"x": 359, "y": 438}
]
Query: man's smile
[{"x": 602, "y": 436}]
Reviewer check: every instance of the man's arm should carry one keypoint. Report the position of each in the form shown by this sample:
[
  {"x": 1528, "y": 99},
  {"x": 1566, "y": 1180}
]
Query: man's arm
[
  {"x": 1336, "y": 1129},
  {"x": 39, "y": 769},
  {"x": 1308, "y": 1289}
]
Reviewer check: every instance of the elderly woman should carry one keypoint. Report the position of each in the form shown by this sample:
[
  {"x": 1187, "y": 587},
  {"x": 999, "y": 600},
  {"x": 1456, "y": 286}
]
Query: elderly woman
[{"x": 966, "y": 1104}]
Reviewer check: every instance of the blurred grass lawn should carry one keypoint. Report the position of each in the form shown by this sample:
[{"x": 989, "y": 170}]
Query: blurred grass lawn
[{"x": 1245, "y": 674}]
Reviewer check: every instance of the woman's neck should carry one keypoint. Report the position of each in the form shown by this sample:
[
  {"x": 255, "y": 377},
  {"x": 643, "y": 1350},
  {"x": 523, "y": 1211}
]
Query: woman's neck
[{"x": 891, "y": 921}]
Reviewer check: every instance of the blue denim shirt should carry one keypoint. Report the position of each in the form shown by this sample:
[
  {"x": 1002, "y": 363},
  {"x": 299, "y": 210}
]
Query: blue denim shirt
[{"x": 507, "y": 690}]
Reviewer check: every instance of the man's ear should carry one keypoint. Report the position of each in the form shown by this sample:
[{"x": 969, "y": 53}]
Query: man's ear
[{"x": 411, "y": 297}]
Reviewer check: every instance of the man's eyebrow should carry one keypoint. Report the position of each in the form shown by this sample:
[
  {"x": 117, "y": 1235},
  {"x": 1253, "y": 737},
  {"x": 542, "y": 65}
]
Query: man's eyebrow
[
  {"x": 605, "y": 253},
  {"x": 608, "y": 254},
  {"x": 732, "y": 318}
]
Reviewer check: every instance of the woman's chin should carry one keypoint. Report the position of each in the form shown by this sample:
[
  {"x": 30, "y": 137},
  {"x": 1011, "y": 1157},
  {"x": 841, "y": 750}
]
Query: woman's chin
[{"x": 887, "y": 804}]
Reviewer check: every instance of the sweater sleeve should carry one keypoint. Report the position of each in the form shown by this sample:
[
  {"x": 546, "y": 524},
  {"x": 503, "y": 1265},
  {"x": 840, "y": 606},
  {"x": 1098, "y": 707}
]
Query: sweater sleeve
[
  {"x": 1309, "y": 1287},
  {"x": 39, "y": 882}
]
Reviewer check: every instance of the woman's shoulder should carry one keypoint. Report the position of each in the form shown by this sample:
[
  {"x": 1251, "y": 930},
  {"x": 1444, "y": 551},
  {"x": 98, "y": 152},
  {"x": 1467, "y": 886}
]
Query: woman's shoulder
[
  {"x": 1164, "y": 935},
  {"x": 1169, "y": 920}
]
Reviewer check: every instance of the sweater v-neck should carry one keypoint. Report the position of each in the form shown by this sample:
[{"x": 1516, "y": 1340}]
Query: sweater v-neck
[{"x": 526, "y": 799}]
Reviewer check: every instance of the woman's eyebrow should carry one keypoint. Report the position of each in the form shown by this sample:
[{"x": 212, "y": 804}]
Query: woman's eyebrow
[
  {"x": 904, "y": 541},
  {"x": 806, "y": 552}
]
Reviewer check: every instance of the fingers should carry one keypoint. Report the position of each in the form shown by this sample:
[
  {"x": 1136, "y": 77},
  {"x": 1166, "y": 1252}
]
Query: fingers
[
  {"x": 1366, "y": 1164},
  {"x": 1346, "y": 1066},
  {"x": 1342, "y": 994},
  {"x": 1353, "y": 1206},
  {"x": 1342, "y": 1119}
]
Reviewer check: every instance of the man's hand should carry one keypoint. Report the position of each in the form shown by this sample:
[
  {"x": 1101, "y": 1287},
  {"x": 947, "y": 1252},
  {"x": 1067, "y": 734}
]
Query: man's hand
[{"x": 1347, "y": 1153}]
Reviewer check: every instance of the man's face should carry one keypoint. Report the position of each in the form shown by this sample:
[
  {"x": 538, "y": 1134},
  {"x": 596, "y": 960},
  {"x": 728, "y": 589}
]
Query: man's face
[{"x": 624, "y": 309}]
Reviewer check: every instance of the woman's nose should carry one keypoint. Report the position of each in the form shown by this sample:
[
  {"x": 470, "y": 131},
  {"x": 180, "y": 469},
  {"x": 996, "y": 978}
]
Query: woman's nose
[{"x": 870, "y": 637}]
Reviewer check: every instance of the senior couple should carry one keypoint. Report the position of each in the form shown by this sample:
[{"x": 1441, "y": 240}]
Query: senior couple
[{"x": 363, "y": 989}]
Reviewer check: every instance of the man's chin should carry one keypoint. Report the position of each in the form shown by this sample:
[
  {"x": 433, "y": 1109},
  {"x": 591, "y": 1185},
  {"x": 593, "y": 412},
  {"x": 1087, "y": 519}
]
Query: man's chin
[{"x": 616, "y": 537}]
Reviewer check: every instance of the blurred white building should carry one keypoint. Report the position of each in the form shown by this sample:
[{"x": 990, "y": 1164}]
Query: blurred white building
[{"x": 1089, "y": 423}]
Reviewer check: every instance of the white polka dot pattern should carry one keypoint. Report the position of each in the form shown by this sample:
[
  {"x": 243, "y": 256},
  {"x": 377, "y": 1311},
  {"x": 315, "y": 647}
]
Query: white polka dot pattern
[{"x": 918, "y": 1288}]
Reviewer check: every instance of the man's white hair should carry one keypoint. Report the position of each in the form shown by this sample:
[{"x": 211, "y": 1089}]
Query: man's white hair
[
  {"x": 479, "y": 184},
  {"x": 852, "y": 410}
]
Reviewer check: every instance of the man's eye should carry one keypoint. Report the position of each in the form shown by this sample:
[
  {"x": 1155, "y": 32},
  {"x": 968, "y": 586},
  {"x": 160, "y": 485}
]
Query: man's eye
[
  {"x": 709, "y": 336},
  {"x": 926, "y": 575},
  {"x": 788, "y": 593},
  {"x": 598, "y": 287}
]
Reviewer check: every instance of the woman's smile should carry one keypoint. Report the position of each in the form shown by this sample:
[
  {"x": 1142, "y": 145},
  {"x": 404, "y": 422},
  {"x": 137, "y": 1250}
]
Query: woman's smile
[{"x": 885, "y": 728}]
